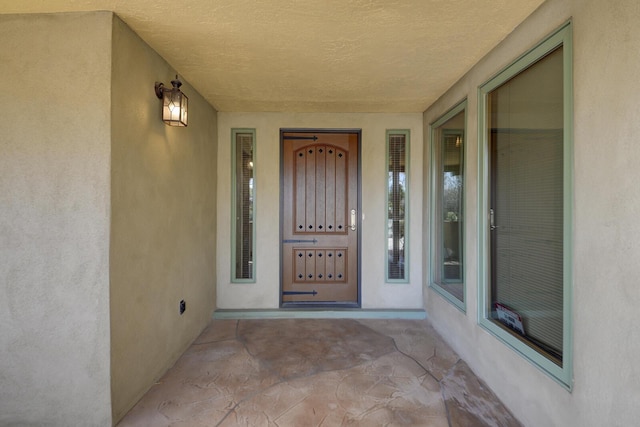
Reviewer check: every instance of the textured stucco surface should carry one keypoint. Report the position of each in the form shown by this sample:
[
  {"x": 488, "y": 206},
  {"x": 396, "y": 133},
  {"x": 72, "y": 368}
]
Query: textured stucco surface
[
  {"x": 54, "y": 220},
  {"x": 606, "y": 340},
  {"x": 314, "y": 56},
  {"x": 163, "y": 221},
  {"x": 264, "y": 293}
]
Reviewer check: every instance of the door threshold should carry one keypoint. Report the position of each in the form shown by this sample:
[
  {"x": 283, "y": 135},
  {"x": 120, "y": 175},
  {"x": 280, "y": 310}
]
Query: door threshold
[
  {"x": 329, "y": 305},
  {"x": 320, "y": 313}
]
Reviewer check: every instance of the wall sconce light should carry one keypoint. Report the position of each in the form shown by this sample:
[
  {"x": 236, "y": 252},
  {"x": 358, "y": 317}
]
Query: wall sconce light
[{"x": 174, "y": 103}]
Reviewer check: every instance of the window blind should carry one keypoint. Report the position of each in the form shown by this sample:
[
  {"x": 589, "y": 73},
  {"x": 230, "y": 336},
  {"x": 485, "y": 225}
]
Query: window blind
[
  {"x": 244, "y": 206},
  {"x": 526, "y": 144},
  {"x": 396, "y": 206}
]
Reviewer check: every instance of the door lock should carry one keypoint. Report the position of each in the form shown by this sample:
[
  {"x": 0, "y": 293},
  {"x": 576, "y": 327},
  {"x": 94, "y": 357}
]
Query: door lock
[{"x": 353, "y": 220}]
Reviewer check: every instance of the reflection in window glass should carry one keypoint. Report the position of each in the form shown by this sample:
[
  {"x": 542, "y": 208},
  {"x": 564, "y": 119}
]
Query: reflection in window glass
[
  {"x": 396, "y": 204},
  {"x": 448, "y": 196}
]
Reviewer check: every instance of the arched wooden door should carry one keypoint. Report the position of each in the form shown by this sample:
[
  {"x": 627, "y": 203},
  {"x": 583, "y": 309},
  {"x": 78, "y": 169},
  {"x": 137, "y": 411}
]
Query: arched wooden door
[{"x": 320, "y": 227}]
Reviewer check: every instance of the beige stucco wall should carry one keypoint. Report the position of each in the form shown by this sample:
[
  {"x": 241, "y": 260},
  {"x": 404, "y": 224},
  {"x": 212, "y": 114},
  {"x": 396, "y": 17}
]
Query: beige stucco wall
[
  {"x": 606, "y": 339},
  {"x": 163, "y": 206},
  {"x": 264, "y": 293},
  {"x": 54, "y": 219}
]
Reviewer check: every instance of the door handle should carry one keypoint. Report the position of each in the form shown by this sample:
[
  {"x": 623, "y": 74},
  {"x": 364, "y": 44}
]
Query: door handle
[
  {"x": 353, "y": 220},
  {"x": 492, "y": 224}
]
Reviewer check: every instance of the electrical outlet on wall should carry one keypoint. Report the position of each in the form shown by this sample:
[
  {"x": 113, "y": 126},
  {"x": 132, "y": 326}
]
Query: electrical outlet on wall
[{"x": 183, "y": 307}]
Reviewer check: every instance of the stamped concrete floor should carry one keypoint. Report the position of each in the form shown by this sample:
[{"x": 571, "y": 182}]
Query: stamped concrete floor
[{"x": 307, "y": 372}]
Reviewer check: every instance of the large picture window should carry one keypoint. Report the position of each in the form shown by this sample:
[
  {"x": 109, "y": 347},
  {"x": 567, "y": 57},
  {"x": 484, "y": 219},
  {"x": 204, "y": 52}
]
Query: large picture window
[
  {"x": 447, "y": 223},
  {"x": 397, "y": 168},
  {"x": 243, "y": 205},
  {"x": 525, "y": 222}
]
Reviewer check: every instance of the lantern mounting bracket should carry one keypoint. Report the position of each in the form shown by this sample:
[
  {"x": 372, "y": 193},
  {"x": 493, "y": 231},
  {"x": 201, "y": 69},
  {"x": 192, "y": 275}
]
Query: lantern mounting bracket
[{"x": 159, "y": 89}]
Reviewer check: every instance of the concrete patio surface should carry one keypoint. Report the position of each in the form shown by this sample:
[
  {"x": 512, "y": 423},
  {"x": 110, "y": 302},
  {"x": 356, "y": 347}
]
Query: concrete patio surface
[{"x": 319, "y": 372}]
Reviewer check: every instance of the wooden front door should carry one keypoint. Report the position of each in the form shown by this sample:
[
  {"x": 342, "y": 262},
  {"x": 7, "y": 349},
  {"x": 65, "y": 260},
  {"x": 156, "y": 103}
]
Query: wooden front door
[{"x": 320, "y": 218}]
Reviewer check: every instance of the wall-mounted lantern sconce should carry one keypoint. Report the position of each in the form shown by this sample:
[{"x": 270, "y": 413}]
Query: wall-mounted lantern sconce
[{"x": 174, "y": 103}]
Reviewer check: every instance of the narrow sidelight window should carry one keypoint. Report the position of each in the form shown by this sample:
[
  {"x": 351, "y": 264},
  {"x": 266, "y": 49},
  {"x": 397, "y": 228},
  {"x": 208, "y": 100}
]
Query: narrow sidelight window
[
  {"x": 397, "y": 168},
  {"x": 526, "y": 207},
  {"x": 447, "y": 225},
  {"x": 243, "y": 205}
]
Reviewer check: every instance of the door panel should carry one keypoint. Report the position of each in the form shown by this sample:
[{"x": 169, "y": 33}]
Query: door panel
[{"x": 319, "y": 242}]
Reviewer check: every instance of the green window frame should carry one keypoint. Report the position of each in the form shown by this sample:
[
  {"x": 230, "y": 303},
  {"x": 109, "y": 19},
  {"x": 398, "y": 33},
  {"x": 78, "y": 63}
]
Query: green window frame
[
  {"x": 447, "y": 200},
  {"x": 397, "y": 205},
  {"x": 557, "y": 367},
  {"x": 243, "y": 206}
]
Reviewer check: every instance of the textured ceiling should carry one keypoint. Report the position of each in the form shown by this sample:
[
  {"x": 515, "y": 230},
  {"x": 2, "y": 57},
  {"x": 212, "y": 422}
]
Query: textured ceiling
[{"x": 313, "y": 55}]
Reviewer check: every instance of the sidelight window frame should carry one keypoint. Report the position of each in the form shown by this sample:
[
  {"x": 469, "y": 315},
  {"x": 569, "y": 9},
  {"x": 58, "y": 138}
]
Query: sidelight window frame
[
  {"x": 405, "y": 205},
  {"x": 561, "y": 373},
  {"x": 236, "y": 240}
]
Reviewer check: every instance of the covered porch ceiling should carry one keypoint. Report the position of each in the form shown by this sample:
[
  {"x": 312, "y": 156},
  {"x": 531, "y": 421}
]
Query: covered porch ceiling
[{"x": 310, "y": 55}]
